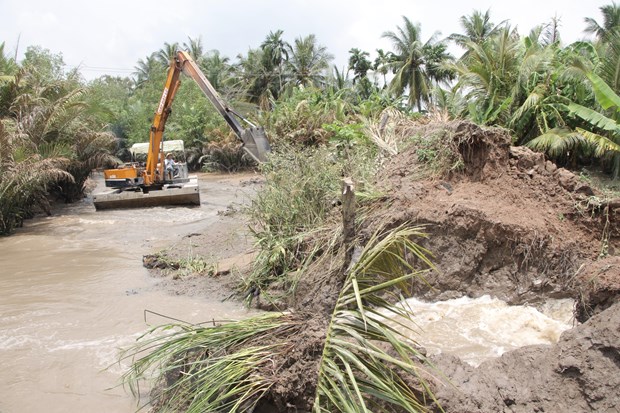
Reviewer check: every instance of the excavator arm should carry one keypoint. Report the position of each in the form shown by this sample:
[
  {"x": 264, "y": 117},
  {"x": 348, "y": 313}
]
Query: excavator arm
[
  {"x": 254, "y": 140},
  {"x": 152, "y": 173}
]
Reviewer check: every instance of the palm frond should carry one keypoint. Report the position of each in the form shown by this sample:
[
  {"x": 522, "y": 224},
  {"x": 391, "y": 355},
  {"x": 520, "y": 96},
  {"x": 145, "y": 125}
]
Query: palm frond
[
  {"x": 602, "y": 144},
  {"x": 556, "y": 142},
  {"x": 594, "y": 118},
  {"x": 533, "y": 99},
  {"x": 356, "y": 372},
  {"x": 200, "y": 369}
]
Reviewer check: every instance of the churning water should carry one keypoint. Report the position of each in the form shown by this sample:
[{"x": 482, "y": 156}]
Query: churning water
[{"x": 476, "y": 329}]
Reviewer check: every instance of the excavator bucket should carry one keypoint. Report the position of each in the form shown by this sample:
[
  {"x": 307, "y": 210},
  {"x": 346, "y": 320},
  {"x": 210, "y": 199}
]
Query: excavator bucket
[{"x": 255, "y": 143}]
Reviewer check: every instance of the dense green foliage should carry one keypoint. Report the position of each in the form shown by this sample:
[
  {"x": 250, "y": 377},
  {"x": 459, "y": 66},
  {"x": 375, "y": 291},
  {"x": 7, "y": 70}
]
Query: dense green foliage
[{"x": 49, "y": 139}]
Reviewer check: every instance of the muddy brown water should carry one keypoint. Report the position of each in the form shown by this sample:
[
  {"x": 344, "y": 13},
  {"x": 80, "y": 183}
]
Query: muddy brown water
[
  {"x": 73, "y": 291},
  {"x": 478, "y": 329}
]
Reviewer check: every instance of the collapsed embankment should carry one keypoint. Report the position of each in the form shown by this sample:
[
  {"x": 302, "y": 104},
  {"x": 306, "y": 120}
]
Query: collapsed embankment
[
  {"x": 501, "y": 221},
  {"x": 507, "y": 223},
  {"x": 504, "y": 221}
]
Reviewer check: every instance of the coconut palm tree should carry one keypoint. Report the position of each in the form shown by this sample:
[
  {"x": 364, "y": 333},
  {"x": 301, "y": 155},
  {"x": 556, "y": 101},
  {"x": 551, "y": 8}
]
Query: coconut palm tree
[
  {"x": 382, "y": 64},
  {"x": 255, "y": 78},
  {"x": 217, "y": 68},
  {"x": 194, "y": 47},
  {"x": 359, "y": 63},
  {"x": 488, "y": 75},
  {"x": 607, "y": 60},
  {"x": 147, "y": 68},
  {"x": 611, "y": 22},
  {"x": 276, "y": 54},
  {"x": 167, "y": 53},
  {"x": 308, "y": 62},
  {"x": 410, "y": 63},
  {"x": 477, "y": 27}
]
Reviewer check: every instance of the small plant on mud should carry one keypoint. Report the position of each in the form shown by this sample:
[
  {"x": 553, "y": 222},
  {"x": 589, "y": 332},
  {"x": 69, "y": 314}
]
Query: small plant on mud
[
  {"x": 180, "y": 266},
  {"x": 437, "y": 154}
]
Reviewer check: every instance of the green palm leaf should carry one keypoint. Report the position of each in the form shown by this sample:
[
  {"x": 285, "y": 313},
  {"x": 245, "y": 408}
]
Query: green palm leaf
[
  {"x": 604, "y": 94},
  {"x": 365, "y": 362},
  {"x": 601, "y": 143},
  {"x": 594, "y": 118},
  {"x": 556, "y": 142},
  {"x": 200, "y": 369},
  {"x": 356, "y": 373}
]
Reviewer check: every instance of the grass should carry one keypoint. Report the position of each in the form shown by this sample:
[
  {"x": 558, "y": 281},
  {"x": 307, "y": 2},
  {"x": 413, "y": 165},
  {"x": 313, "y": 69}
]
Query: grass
[
  {"x": 198, "y": 369},
  {"x": 185, "y": 266}
]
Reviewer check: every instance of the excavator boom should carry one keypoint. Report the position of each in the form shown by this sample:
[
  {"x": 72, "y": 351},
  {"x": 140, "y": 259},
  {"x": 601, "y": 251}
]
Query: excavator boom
[{"x": 254, "y": 140}]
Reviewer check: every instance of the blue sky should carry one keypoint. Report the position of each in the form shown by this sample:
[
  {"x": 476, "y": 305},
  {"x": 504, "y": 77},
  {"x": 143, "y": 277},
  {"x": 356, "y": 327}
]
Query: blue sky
[{"x": 110, "y": 37}]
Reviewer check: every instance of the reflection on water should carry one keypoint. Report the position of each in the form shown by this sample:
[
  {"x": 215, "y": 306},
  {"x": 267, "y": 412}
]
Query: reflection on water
[
  {"x": 478, "y": 329},
  {"x": 73, "y": 291}
]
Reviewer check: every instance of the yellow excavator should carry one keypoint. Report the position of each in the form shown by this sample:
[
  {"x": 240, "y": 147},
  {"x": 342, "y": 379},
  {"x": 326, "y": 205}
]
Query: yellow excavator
[{"x": 136, "y": 185}]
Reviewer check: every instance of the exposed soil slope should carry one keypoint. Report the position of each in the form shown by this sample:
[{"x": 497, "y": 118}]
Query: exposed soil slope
[
  {"x": 509, "y": 224},
  {"x": 513, "y": 225},
  {"x": 505, "y": 222}
]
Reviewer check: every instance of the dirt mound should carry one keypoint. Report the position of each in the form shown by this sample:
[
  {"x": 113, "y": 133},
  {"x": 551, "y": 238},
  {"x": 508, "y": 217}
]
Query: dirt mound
[
  {"x": 578, "y": 374},
  {"x": 502, "y": 220},
  {"x": 599, "y": 287}
]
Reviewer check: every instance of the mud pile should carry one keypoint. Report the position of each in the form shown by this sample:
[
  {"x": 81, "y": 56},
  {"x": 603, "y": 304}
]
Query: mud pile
[
  {"x": 505, "y": 222},
  {"x": 578, "y": 374}
]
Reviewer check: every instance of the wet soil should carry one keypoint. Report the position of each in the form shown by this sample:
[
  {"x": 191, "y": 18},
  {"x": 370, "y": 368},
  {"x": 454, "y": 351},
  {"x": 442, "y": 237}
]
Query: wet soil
[{"x": 214, "y": 261}]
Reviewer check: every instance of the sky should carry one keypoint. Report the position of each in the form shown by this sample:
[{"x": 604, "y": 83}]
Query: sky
[{"x": 109, "y": 37}]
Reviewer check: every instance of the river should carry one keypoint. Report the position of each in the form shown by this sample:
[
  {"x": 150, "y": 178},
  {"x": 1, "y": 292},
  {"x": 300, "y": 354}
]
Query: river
[{"x": 73, "y": 292}]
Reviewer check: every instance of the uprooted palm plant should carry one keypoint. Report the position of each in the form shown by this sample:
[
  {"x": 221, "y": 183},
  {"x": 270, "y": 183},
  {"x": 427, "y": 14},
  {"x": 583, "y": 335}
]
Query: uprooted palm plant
[{"x": 368, "y": 360}]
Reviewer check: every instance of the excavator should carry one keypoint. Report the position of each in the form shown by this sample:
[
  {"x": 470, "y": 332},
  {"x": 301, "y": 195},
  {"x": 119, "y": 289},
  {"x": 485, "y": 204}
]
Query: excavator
[{"x": 136, "y": 185}]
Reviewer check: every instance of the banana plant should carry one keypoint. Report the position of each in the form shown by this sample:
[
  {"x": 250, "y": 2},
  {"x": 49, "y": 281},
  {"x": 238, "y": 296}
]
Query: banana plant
[
  {"x": 607, "y": 144},
  {"x": 559, "y": 141}
]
